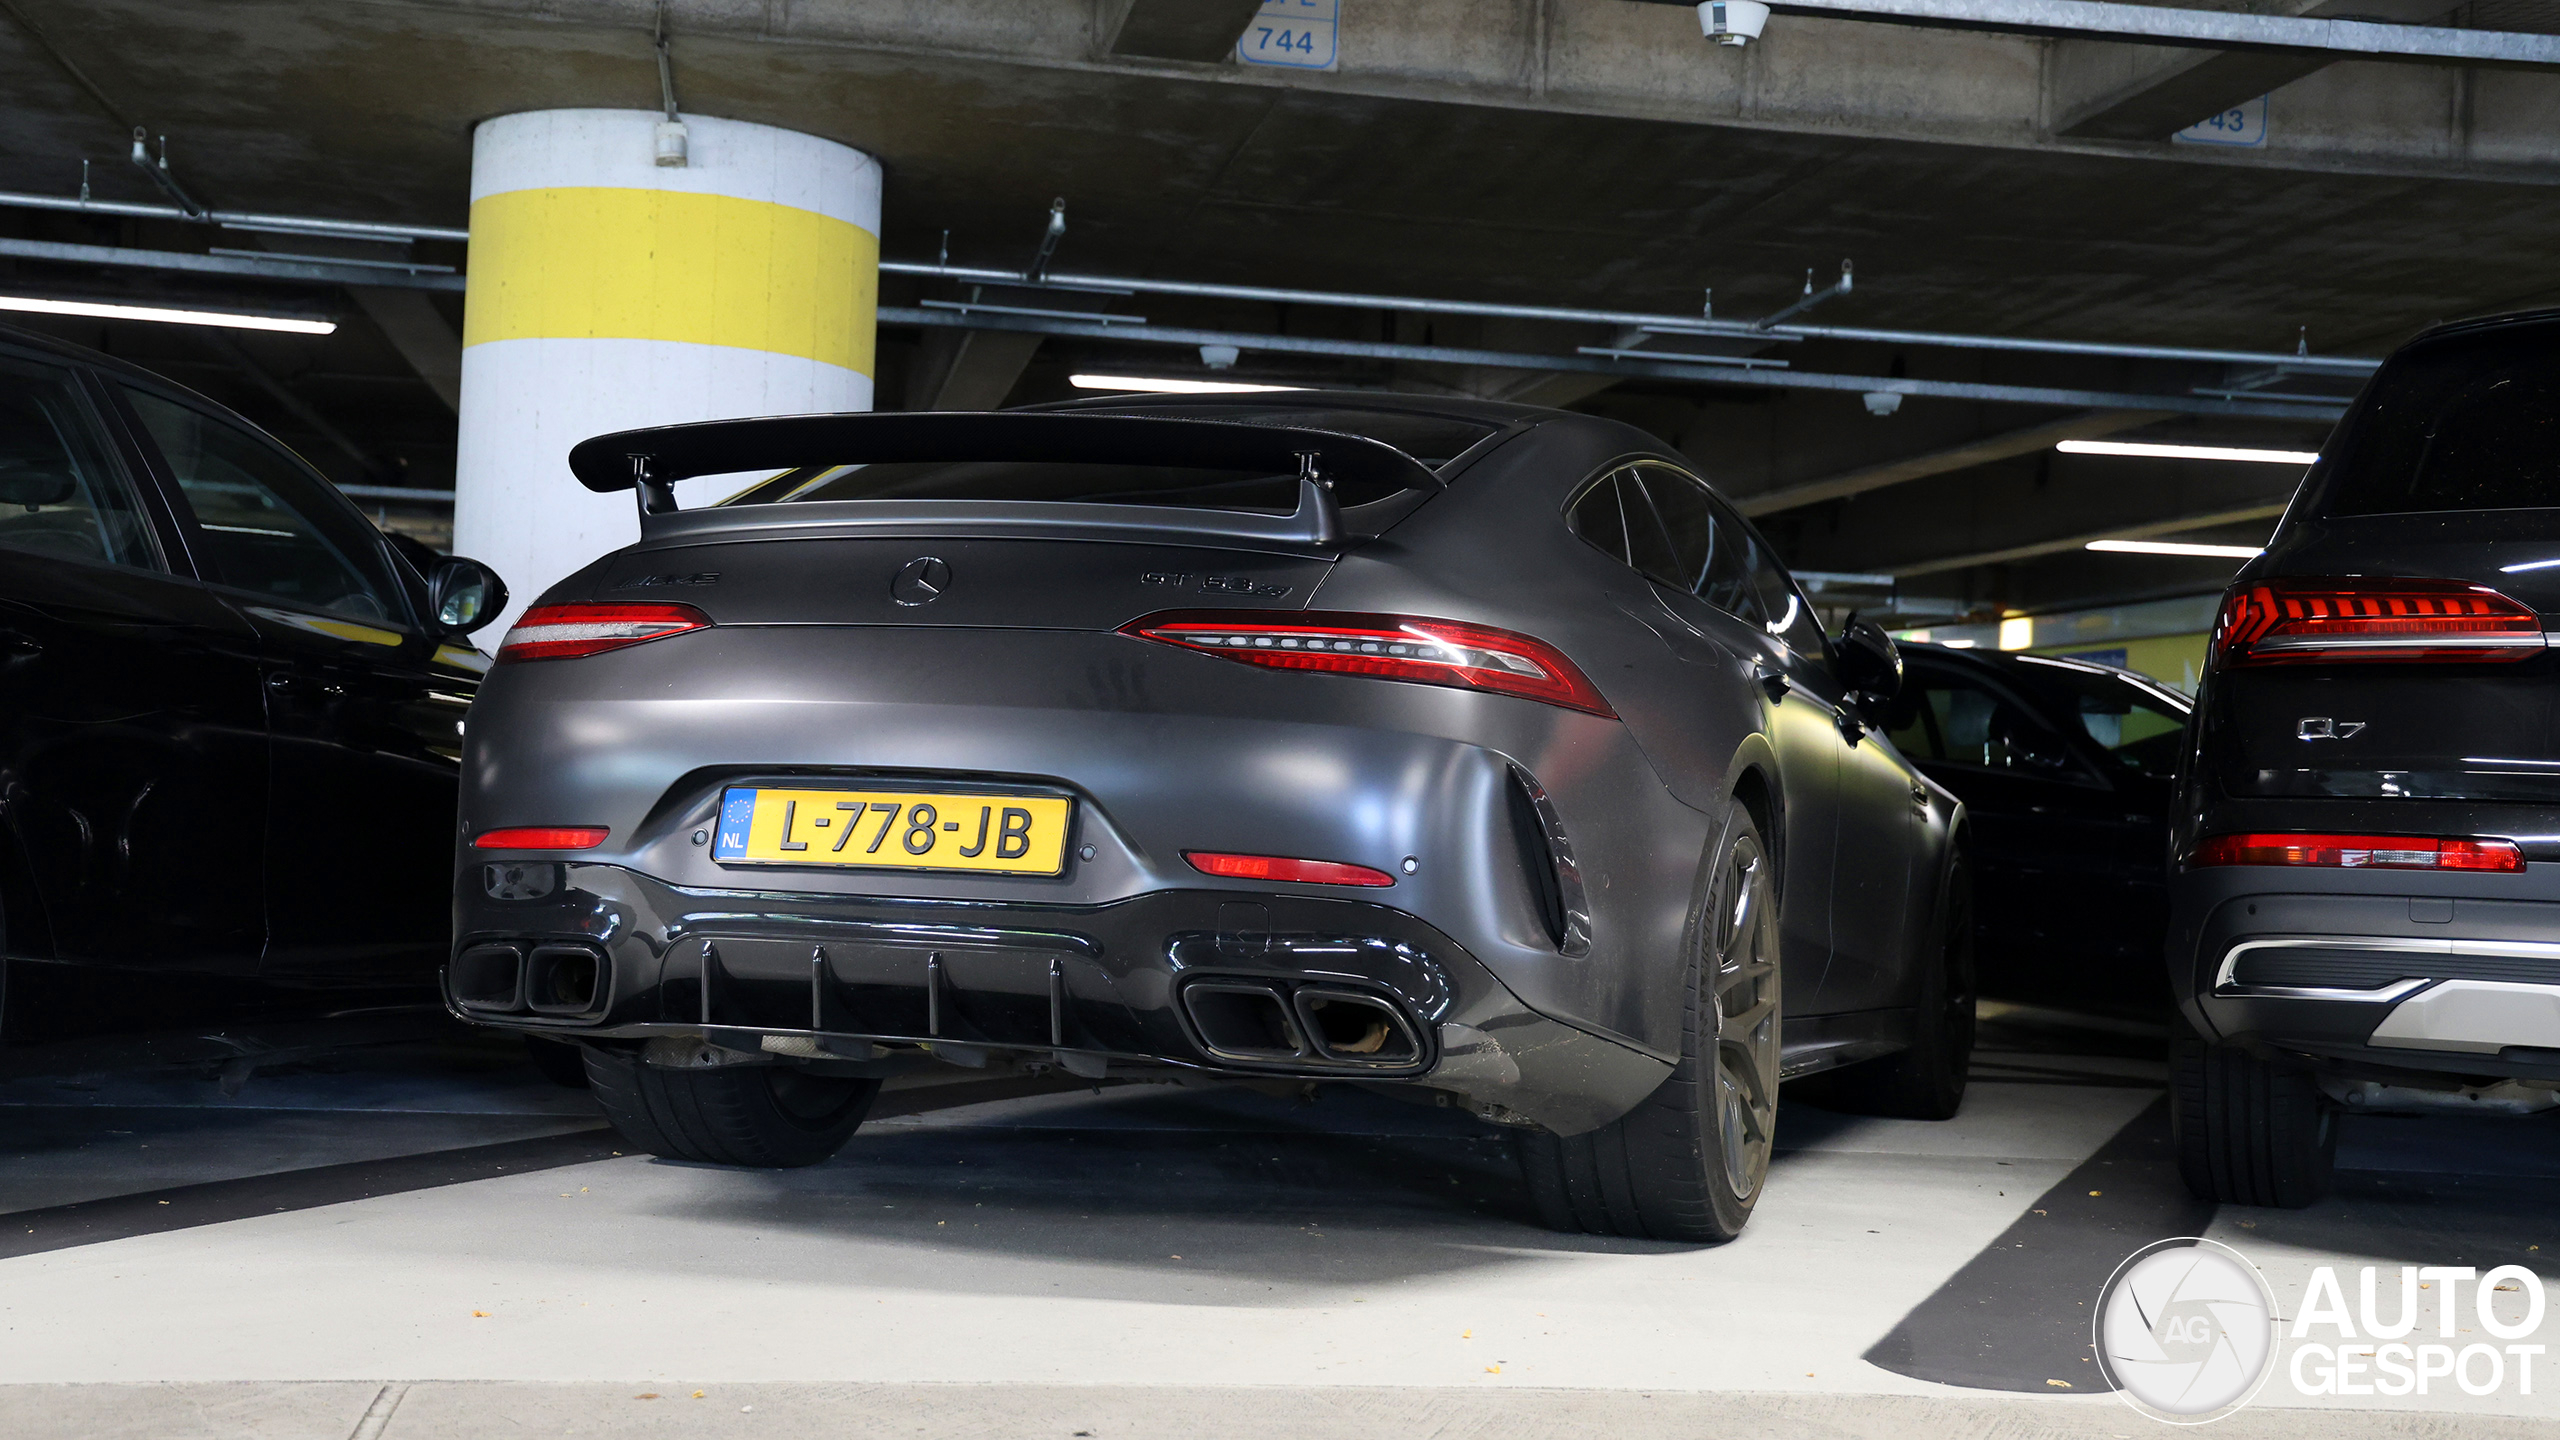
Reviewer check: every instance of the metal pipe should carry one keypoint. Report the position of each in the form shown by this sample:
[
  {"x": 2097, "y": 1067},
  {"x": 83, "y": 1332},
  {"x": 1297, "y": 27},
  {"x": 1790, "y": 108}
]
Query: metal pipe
[
  {"x": 1718, "y": 374},
  {"x": 1120, "y": 285},
  {"x": 306, "y": 271},
  {"x": 239, "y": 219},
  {"x": 1637, "y": 319}
]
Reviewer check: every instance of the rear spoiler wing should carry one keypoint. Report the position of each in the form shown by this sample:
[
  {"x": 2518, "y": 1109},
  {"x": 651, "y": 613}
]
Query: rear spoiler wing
[{"x": 650, "y": 462}]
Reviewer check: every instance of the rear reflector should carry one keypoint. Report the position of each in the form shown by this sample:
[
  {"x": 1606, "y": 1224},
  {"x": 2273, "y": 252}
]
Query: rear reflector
[
  {"x": 1385, "y": 647},
  {"x": 2329, "y": 621},
  {"x": 1274, "y": 867},
  {"x": 542, "y": 837},
  {"x": 2366, "y": 852},
  {"x": 565, "y": 632}
]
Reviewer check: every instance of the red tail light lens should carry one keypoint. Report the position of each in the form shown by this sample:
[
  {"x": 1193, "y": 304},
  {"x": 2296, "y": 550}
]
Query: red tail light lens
[
  {"x": 1274, "y": 867},
  {"x": 2366, "y": 852},
  {"x": 2345, "y": 619},
  {"x": 542, "y": 837},
  {"x": 565, "y": 632},
  {"x": 1387, "y": 647}
]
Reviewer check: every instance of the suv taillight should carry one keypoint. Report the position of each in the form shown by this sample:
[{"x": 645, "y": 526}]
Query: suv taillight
[
  {"x": 2358, "y": 852},
  {"x": 565, "y": 632},
  {"x": 2343, "y": 619},
  {"x": 1386, "y": 647}
]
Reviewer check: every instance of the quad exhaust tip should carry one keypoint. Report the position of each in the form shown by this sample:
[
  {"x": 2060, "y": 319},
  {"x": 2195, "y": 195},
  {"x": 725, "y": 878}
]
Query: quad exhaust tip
[
  {"x": 1319, "y": 1027},
  {"x": 562, "y": 979}
]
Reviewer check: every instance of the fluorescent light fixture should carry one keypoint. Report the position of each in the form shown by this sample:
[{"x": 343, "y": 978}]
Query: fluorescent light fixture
[
  {"x": 1959, "y": 644},
  {"x": 2176, "y": 547},
  {"x": 2528, "y": 565},
  {"x": 2017, "y": 632},
  {"x": 2187, "y": 452},
  {"x": 1156, "y": 386},
  {"x": 223, "y": 319}
]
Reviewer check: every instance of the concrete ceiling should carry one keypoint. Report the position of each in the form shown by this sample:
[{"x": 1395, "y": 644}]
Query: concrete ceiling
[{"x": 1588, "y": 169}]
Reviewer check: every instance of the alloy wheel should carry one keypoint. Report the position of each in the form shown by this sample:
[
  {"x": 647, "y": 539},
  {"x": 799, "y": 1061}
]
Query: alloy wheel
[{"x": 1745, "y": 991}]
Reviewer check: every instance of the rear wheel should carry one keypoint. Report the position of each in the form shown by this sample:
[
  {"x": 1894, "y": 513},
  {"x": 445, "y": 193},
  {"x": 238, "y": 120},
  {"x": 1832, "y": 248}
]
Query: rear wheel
[
  {"x": 1926, "y": 1081},
  {"x": 2249, "y": 1131},
  {"x": 762, "y": 1115},
  {"x": 1689, "y": 1162}
]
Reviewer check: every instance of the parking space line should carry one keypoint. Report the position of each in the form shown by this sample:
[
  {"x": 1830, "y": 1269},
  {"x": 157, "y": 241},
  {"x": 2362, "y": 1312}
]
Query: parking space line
[{"x": 2017, "y": 1316}]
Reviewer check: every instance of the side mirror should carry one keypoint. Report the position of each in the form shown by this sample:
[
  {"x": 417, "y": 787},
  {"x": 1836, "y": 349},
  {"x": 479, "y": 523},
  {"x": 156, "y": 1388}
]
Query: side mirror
[
  {"x": 32, "y": 487},
  {"x": 1870, "y": 663},
  {"x": 464, "y": 595}
]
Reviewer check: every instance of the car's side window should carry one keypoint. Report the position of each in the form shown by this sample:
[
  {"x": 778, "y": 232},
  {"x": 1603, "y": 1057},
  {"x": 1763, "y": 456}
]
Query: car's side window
[
  {"x": 1708, "y": 544},
  {"x": 270, "y": 525},
  {"x": 1969, "y": 725},
  {"x": 60, "y": 495}
]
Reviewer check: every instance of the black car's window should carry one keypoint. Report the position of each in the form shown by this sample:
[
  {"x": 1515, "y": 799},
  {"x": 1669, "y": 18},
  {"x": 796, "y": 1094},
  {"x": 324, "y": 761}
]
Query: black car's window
[
  {"x": 1962, "y": 723},
  {"x": 59, "y": 495},
  {"x": 269, "y": 522},
  {"x": 1600, "y": 517},
  {"x": 1710, "y": 547},
  {"x": 1789, "y": 615},
  {"x": 2141, "y": 730},
  {"x": 2465, "y": 422}
]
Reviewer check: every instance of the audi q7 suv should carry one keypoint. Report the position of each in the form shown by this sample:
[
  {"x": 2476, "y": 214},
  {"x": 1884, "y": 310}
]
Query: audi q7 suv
[{"x": 2366, "y": 906}]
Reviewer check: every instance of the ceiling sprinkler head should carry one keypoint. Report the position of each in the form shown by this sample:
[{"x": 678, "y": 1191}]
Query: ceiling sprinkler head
[{"x": 1733, "y": 22}]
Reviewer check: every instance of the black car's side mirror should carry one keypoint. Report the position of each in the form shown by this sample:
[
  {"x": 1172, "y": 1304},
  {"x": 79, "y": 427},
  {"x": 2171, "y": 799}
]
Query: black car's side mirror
[
  {"x": 32, "y": 487},
  {"x": 1870, "y": 663},
  {"x": 464, "y": 595}
]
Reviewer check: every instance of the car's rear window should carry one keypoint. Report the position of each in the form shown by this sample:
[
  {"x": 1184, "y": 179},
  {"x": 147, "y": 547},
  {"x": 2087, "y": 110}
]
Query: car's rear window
[{"x": 2464, "y": 422}]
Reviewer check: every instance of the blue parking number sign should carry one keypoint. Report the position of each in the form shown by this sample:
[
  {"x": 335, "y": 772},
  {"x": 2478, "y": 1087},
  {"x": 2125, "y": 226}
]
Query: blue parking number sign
[
  {"x": 2243, "y": 124},
  {"x": 1298, "y": 34}
]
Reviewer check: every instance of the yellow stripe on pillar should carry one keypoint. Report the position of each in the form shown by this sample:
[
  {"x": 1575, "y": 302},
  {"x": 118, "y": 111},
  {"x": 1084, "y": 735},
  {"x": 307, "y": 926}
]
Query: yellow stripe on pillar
[{"x": 583, "y": 262}]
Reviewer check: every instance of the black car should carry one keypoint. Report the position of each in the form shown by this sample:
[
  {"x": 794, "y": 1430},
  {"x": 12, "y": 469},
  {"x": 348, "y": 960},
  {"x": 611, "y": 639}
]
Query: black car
[
  {"x": 2066, "y": 769},
  {"x": 230, "y": 722},
  {"x": 1469, "y": 751},
  {"x": 2367, "y": 908}
]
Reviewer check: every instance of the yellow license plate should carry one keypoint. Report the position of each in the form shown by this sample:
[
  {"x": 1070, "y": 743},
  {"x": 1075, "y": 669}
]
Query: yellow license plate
[{"x": 894, "y": 829}]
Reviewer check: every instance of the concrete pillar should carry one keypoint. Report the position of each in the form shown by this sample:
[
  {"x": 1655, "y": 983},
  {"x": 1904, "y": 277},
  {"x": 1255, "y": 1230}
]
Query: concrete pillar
[{"x": 608, "y": 292}]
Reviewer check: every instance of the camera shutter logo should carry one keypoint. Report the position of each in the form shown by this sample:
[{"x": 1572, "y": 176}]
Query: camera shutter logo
[{"x": 2185, "y": 1330}]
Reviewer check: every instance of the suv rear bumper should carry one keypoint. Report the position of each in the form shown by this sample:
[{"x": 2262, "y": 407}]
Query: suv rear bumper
[
  {"x": 2376, "y": 973},
  {"x": 1215, "y": 981}
]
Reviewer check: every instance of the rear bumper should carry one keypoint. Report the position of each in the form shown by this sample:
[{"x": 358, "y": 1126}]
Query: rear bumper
[
  {"x": 2371, "y": 972},
  {"x": 1208, "y": 980}
]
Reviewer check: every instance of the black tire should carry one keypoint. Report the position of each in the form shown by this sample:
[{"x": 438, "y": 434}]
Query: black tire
[
  {"x": 1926, "y": 1081},
  {"x": 1689, "y": 1163},
  {"x": 772, "y": 1116},
  {"x": 2249, "y": 1131},
  {"x": 560, "y": 1062}
]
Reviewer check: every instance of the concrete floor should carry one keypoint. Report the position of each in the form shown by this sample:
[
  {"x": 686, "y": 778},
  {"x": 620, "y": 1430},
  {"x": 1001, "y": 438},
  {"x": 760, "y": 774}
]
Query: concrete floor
[{"x": 437, "y": 1242}]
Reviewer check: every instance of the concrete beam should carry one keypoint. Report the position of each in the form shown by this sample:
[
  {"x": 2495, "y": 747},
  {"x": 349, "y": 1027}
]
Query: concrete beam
[
  {"x": 2135, "y": 92},
  {"x": 2087, "y": 426},
  {"x": 2342, "y": 38},
  {"x": 2032, "y": 548},
  {"x": 419, "y": 331},
  {"x": 1201, "y": 30},
  {"x": 969, "y": 369}
]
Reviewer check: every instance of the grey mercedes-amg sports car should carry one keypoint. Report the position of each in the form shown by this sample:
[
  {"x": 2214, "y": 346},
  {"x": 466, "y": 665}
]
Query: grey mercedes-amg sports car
[{"x": 1473, "y": 752}]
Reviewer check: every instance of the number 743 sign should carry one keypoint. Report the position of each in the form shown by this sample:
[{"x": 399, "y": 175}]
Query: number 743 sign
[{"x": 1298, "y": 34}]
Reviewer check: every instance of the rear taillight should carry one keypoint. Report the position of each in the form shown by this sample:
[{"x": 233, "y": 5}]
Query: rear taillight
[
  {"x": 565, "y": 632},
  {"x": 1385, "y": 647},
  {"x": 541, "y": 837},
  {"x": 1276, "y": 867},
  {"x": 2358, "y": 852},
  {"x": 2334, "y": 620}
]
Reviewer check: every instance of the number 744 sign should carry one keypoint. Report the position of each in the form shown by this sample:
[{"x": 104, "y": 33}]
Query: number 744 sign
[{"x": 1297, "y": 34}]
